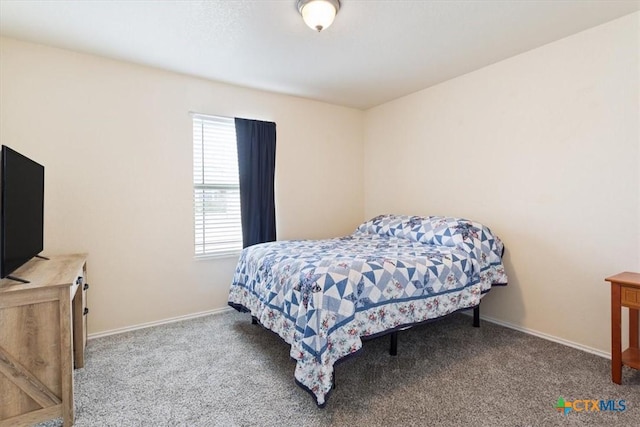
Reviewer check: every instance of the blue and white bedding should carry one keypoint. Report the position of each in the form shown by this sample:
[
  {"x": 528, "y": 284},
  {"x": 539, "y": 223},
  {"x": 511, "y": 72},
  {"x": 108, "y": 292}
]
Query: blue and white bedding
[{"x": 323, "y": 296}]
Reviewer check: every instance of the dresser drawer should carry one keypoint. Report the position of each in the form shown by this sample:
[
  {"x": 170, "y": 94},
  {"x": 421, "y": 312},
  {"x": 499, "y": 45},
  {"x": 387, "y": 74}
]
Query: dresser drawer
[{"x": 630, "y": 296}]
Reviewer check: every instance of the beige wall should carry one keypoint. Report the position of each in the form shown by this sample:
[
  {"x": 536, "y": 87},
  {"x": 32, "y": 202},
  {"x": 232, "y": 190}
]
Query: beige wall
[
  {"x": 637, "y": 18},
  {"x": 115, "y": 139},
  {"x": 544, "y": 149}
]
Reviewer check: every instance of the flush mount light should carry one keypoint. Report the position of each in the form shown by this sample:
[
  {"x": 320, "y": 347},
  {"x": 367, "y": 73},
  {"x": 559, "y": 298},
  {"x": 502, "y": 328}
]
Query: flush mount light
[{"x": 318, "y": 14}]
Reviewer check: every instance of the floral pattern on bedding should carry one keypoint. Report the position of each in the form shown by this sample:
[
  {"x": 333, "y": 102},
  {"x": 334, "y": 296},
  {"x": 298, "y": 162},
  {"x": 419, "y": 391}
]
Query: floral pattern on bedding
[{"x": 322, "y": 296}]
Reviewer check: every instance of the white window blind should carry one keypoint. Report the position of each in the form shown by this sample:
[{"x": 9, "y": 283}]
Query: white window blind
[{"x": 216, "y": 187}]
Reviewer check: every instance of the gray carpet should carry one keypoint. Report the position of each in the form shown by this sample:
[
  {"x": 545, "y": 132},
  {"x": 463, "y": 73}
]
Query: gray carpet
[{"x": 222, "y": 371}]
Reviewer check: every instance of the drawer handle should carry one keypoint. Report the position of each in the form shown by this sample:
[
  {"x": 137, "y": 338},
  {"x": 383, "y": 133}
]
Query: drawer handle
[
  {"x": 79, "y": 280},
  {"x": 86, "y": 311},
  {"x": 86, "y": 286}
]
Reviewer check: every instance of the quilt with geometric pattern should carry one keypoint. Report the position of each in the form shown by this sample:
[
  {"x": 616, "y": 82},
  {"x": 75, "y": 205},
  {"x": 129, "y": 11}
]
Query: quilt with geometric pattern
[{"x": 323, "y": 296}]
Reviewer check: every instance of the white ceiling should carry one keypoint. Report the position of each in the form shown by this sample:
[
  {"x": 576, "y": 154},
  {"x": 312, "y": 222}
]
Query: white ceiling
[{"x": 374, "y": 52}]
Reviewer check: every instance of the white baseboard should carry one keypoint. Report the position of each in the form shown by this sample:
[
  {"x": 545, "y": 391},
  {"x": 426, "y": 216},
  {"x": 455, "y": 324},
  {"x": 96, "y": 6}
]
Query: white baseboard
[
  {"x": 533, "y": 332},
  {"x": 158, "y": 322},
  {"x": 548, "y": 337}
]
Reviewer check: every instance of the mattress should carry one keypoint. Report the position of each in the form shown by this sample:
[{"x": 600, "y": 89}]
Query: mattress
[{"x": 323, "y": 296}]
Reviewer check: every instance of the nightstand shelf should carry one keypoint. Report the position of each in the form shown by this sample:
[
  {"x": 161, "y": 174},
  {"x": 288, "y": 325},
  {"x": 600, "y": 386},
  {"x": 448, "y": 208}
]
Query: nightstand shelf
[{"x": 631, "y": 358}]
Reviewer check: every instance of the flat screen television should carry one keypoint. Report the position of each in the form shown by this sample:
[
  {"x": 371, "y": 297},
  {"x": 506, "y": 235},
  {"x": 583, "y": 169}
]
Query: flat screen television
[{"x": 21, "y": 211}]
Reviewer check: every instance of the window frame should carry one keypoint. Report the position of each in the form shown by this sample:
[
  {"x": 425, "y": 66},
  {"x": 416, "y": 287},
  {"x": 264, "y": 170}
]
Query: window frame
[{"x": 205, "y": 243}]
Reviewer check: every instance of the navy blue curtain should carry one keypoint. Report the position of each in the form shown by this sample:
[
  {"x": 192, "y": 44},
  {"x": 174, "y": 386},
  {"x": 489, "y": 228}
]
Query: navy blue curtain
[{"x": 256, "y": 166}]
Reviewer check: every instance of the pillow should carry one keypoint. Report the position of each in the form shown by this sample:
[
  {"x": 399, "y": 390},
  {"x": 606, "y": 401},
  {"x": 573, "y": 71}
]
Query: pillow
[{"x": 437, "y": 230}]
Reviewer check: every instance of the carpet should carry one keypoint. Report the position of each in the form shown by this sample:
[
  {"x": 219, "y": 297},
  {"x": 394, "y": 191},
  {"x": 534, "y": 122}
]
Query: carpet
[{"x": 221, "y": 370}]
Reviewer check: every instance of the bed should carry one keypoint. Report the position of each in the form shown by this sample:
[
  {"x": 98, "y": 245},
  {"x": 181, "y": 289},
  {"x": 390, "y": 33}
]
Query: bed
[{"x": 323, "y": 297}]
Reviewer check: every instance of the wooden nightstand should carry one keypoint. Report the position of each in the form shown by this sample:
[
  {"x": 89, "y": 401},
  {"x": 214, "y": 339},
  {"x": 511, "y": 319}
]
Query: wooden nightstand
[{"x": 625, "y": 292}]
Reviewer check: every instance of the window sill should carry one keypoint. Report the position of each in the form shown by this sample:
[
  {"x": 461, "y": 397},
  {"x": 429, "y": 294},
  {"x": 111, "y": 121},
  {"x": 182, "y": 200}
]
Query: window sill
[{"x": 234, "y": 254}]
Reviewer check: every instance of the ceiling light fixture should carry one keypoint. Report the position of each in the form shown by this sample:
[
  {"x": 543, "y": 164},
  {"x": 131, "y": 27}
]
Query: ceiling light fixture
[{"x": 318, "y": 14}]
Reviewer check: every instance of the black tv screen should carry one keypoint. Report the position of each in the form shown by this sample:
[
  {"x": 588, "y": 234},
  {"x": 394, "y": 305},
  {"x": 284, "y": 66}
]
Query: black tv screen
[{"x": 22, "y": 210}]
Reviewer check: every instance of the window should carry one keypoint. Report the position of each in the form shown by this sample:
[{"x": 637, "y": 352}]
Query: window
[{"x": 216, "y": 187}]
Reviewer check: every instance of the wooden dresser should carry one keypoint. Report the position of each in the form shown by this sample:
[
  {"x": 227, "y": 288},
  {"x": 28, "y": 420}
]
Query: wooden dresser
[{"x": 43, "y": 335}]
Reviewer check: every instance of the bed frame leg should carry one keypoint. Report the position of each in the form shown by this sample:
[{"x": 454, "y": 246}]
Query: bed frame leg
[
  {"x": 476, "y": 316},
  {"x": 254, "y": 321},
  {"x": 393, "y": 348}
]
